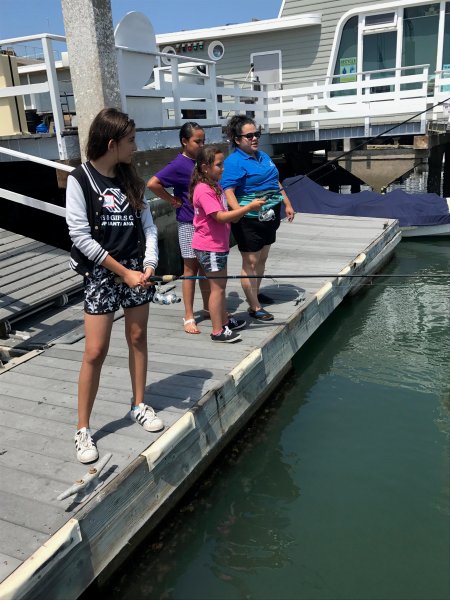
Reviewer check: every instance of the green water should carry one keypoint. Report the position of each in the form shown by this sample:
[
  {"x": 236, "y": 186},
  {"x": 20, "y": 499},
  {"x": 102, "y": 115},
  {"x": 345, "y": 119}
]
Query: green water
[{"x": 339, "y": 488}]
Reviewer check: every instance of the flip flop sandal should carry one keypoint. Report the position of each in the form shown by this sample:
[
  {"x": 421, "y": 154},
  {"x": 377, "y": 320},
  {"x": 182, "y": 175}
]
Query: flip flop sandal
[
  {"x": 261, "y": 315},
  {"x": 192, "y": 325}
]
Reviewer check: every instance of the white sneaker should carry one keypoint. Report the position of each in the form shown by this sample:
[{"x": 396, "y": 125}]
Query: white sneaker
[
  {"x": 86, "y": 449},
  {"x": 146, "y": 416}
]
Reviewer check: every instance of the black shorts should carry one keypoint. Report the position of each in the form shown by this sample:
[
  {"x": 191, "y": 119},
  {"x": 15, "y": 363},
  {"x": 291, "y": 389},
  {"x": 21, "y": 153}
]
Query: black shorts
[{"x": 252, "y": 235}]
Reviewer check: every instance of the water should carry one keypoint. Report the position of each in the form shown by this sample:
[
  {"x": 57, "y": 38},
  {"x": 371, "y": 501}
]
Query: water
[{"x": 339, "y": 488}]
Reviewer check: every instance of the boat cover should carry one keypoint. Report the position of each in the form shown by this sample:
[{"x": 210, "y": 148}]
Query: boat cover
[{"x": 410, "y": 209}]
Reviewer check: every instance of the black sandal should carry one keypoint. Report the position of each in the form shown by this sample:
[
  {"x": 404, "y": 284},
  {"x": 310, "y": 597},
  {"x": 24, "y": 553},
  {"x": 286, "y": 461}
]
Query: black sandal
[{"x": 261, "y": 315}]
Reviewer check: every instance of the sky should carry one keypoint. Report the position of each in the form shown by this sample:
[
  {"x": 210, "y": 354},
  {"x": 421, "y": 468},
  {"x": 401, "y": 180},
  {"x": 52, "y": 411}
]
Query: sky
[{"x": 28, "y": 17}]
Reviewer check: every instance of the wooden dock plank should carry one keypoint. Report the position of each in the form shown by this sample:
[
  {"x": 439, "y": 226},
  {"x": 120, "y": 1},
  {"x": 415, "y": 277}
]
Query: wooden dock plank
[
  {"x": 219, "y": 386},
  {"x": 8, "y": 564},
  {"x": 22, "y": 540},
  {"x": 32, "y": 274}
]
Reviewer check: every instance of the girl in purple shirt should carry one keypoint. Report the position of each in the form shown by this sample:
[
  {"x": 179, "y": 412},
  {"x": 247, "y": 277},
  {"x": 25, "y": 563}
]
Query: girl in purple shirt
[
  {"x": 177, "y": 175},
  {"x": 211, "y": 241}
]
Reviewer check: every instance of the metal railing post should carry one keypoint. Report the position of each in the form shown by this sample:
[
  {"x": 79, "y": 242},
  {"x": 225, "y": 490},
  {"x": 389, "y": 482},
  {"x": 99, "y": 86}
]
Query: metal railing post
[
  {"x": 55, "y": 101},
  {"x": 123, "y": 93},
  {"x": 213, "y": 90},
  {"x": 176, "y": 93}
]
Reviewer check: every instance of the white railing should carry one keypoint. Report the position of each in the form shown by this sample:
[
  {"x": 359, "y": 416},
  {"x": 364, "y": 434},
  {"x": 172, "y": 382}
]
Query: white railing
[
  {"x": 28, "y": 200},
  {"x": 385, "y": 93},
  {"x": 50, "y": 86},
  {"x": 159, "y": 96},
  {"x": 185, "y": 86},
  {"x": 442, "y": 94}
]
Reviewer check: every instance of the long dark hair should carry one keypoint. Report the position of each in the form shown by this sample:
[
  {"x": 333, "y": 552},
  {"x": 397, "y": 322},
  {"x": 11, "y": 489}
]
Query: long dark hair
[
  {"x": 235, "y": 125},
  {"x": 113, "y": 124},
  {"x": 206, "y": 156}
]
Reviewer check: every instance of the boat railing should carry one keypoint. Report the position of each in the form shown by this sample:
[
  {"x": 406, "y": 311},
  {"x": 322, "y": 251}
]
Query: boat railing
[
  {"x": 354, "y": 98},
  {"x": 49, "y": 86},
  {"x": 441, "y": 82},
  {"x": 180, "y": 88},
  {"x": 162, "y": 90},
  {"x": 27, "y": 200}
]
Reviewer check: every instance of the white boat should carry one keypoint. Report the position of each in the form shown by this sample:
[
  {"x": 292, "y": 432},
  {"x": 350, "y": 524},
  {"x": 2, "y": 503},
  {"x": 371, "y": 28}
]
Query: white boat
[{"x": 417, "y": 214}]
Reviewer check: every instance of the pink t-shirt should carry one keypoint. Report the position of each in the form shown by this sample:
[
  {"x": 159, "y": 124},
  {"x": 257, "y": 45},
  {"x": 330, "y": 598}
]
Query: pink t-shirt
[{"x": 209, "y": 235}]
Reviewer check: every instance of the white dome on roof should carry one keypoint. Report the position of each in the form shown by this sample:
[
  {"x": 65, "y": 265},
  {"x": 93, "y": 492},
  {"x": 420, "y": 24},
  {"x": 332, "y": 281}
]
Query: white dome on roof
[{"x": 135, "y": 31}]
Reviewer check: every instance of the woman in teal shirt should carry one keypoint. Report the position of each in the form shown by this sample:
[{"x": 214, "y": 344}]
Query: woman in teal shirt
[{"x": 250, "y": 173}]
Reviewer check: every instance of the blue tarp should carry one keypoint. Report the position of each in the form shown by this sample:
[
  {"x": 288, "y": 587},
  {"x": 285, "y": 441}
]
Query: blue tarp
[{"x": 409, "y": 209}]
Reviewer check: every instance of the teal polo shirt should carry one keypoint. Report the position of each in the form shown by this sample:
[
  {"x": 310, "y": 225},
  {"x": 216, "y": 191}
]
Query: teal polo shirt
[{"x": 250, "y": 177}]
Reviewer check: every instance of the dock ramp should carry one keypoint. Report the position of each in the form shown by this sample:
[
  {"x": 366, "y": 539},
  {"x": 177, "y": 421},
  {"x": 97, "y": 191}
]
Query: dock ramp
[{"x": 32, "y": 275}]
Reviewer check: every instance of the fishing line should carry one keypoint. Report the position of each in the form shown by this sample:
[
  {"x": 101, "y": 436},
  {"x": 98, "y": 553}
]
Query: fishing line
[
  {"x": 364, "y": 143},
  {"x": 169, "y": 278}
]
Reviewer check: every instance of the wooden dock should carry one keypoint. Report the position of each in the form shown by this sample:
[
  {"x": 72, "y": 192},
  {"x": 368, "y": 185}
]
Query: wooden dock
[
  {"x": 25, "y": 264},
  {"x": 205, "y": 393}
]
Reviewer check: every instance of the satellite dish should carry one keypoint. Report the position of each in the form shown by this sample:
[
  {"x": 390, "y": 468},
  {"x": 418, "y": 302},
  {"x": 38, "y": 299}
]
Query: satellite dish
[{"x": 136, "y": 33}]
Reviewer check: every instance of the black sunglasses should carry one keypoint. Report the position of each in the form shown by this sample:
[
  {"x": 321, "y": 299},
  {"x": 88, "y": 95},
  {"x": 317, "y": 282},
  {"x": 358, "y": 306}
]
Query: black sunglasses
[{"x": 250, "y": 136}]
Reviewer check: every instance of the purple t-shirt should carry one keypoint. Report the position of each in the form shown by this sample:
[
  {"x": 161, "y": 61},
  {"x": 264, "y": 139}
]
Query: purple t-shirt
[
  {"x": 209, "y": 235},
  {"x": 177, "y": 175}
]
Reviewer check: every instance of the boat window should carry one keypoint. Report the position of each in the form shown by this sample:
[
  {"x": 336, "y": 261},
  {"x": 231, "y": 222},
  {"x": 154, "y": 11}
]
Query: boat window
[
  {"x": 420, "y": 36},
  {"x": 168, "y": 50},
  {"x": 446, "y": 49},
  {"x": 216, "y": 50},
  {"x": 379, "y": 51},
  {"x": 380, "y": 20},
  {"x": 346, "y": 57}
]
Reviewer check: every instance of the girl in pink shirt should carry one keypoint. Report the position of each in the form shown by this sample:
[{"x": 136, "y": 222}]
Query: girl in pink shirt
[{"x": 211, "y": 241}]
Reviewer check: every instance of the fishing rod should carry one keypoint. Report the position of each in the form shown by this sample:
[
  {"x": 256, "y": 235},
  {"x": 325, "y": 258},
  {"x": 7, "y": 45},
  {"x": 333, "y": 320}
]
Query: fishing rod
[
  {"x": 171, "y": 278},
  {"x": 163, "y": 297}
]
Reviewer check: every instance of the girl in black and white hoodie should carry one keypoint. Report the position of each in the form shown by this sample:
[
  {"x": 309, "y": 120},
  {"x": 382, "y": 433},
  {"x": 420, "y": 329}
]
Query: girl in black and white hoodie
[{"x": 112, "y": 231}]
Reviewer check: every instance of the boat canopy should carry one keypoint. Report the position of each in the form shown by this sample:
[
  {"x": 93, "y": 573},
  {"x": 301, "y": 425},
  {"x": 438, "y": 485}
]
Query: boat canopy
[{"x": 410, "y": 209}]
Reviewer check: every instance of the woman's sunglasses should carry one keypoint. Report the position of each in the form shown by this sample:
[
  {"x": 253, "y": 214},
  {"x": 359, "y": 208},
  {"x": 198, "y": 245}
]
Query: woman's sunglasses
[{"x": 250, "y": 136}]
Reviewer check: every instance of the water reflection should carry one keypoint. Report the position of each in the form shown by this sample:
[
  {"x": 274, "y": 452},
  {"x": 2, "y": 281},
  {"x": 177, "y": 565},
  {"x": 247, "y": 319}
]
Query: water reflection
[
  {"x": 339, "y": 488},
  {"x": 244, "y": 521},
  {"x": 403, "y": 339},
  {"x": 256, "y": 534}
]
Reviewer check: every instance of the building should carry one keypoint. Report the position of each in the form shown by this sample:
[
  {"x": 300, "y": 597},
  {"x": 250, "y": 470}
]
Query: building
[{"x": 360, "y": 83}]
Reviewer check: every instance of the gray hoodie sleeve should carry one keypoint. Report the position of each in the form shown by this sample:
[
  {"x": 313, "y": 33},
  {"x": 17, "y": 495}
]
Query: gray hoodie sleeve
[
  {"x": 151, "y": 238},
  {"x": 77, "y": 221}
]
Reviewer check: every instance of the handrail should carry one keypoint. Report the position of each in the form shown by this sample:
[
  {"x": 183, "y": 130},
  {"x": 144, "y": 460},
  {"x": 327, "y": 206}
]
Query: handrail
[
  {"x": 52, "y": 79},
  {"x": 170, "y": 55},
  {"x": 36, "y": 159},
  {"x": 296, "y": 103},
  {"x": 53, "y": 209},
  {"x": 28, "y": 200},
  {"x": 29, "y": 38}
]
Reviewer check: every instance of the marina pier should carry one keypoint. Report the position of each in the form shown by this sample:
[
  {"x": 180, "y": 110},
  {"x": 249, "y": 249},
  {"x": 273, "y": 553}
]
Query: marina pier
[{"x": 55, "y": 548}]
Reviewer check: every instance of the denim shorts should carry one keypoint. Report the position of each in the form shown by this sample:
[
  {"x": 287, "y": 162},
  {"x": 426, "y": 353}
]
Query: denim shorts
[
  {"x": 211, "y": 262},
  {"x": 102, "y": 295}
]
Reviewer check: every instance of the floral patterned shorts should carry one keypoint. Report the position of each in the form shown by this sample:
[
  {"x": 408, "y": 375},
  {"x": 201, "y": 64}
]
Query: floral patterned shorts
[{"x": 102, "y": 295}]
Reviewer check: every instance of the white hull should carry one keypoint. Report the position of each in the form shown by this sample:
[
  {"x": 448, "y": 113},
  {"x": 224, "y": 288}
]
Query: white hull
[
  {"x": 422, "y": 230},
  {"x": 426, "y": 230}
]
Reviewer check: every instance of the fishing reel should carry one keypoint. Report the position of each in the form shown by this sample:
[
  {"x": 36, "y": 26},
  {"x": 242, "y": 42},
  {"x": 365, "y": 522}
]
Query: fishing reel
[
  {"x": 163, "y": 297},
  {"x": 266, "y": 214}
]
